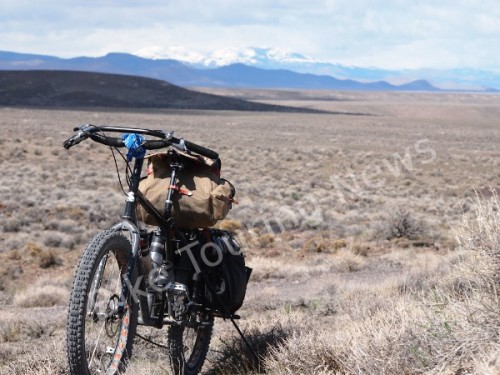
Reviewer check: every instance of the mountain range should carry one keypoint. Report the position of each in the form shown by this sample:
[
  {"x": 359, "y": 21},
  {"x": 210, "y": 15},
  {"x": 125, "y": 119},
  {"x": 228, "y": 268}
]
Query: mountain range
[
  {"x": 253, "y": 68},
  {"x": 282, "y": 58}
]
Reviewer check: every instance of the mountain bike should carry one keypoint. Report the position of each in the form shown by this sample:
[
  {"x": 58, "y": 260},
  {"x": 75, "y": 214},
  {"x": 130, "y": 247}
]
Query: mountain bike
[{"x": 130, "y": 276}]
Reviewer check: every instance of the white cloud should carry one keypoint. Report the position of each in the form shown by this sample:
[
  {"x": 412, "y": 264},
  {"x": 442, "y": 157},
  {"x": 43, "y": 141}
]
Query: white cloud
[{"x": 395, "y": 34}]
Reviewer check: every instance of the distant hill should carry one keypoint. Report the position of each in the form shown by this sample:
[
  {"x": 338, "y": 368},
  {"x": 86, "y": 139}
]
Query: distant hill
[
  {"x": 234, "y": 75},
  {"x": 240, "y": 75},
  {"x": 44, "y": 88}
]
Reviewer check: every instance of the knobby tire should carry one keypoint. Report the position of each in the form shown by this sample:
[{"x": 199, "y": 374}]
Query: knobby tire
[{"x": 109, "y": 251}]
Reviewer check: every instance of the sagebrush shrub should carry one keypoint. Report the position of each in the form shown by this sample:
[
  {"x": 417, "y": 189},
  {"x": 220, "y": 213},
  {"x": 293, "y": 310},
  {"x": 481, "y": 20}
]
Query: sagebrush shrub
[
  {"x": 12, "y": 225},
  {"x": 401, "y": 223}
]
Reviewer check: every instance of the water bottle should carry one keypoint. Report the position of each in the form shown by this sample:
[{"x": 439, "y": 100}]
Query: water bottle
[{"x": 162, "y": 273}]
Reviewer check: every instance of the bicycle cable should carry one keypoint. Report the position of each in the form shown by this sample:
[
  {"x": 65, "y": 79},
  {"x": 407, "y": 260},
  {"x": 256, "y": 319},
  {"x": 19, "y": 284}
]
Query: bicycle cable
[
  {"x": 113, "y": 149},
  {"x": 128, "y": 170}
]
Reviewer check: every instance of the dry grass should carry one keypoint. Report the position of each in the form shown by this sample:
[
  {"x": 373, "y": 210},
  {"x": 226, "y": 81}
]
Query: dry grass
[
  {"x": 436, "y": 328},
  {"x": 354, "y": 225},
  {"x": 41, "y": 296},
  {"x": 46, "y": 359}
]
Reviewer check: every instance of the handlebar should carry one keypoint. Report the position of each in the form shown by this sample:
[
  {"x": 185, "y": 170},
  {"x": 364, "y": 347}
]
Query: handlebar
[
  {"x": 200, "y": 149},
  {"x": 167, "y": 139}
]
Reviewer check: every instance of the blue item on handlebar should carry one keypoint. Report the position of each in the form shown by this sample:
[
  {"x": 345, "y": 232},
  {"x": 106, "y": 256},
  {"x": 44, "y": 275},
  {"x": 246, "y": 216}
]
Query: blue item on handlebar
[{"x": 134, "y": 144}]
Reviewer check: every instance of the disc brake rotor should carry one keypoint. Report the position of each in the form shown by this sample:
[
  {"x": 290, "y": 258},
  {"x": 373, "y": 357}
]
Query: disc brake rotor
[{"x": 112, "y": 323}]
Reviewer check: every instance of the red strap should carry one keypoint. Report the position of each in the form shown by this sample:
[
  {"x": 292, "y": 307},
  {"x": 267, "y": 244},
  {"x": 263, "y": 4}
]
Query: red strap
[{"x": 181, "y": 190}]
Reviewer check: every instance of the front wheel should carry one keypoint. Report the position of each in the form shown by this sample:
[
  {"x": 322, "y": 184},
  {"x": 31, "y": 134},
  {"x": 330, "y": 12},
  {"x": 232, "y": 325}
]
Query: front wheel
[
  {"x": 188, "y": 345},
  {"x": 99, "y": 340}
]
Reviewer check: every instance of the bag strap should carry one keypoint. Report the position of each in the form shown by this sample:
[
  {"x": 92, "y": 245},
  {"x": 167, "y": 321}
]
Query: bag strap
[{"x": 181, "y": 190}]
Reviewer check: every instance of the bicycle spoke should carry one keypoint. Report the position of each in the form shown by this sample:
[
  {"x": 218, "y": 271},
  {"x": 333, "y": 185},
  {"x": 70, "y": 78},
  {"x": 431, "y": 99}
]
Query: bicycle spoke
[{"x": 96, "y": 344}]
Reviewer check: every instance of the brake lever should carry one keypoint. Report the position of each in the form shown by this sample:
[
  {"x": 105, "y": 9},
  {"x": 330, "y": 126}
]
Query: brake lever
[{"x": 83, "y": 133}]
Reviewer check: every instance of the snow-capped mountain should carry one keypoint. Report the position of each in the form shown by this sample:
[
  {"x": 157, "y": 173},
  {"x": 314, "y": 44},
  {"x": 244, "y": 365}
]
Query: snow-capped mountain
[
  {"x": 259, "y": 57},
  {"x": 227, "y": 56},
  {"x": 171, "y": 53},
  {"x": 283, "y": 58}
]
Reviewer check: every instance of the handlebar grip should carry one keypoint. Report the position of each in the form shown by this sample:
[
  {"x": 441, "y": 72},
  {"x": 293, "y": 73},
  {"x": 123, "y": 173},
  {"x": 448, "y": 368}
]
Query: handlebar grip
[
  {"x": 154, "y": 145},
  {"x": 74, "y": 140},
  {"x": 115, "y": 142},
  {"x": 68, "y": 143},
  {"x": 201, "y": 150},
  {"x": 108, "y": 141}
]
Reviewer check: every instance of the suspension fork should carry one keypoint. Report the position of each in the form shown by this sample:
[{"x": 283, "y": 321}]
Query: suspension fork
[
  {"x": 127, "y": 224},
  {"x": 138, "y": 296},
  {"x": 97, "y": 284}
]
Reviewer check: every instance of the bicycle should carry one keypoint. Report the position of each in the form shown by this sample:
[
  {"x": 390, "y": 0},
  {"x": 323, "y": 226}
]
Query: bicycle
[{"x": 128, "y": 276}]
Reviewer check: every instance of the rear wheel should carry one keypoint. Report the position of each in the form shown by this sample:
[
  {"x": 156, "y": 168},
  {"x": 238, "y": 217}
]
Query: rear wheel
[
  {"x": 99, "y": 340},
  {"x": 188, "y": 346}
]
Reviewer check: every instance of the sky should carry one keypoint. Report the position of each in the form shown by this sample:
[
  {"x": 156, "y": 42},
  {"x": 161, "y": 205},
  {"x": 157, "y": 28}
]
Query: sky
[{"x": 399, "y": 34}]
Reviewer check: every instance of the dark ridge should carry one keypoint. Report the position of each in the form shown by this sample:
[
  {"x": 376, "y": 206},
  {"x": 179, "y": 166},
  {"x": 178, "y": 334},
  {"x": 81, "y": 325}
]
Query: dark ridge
[{"x": 63, "y": 89}]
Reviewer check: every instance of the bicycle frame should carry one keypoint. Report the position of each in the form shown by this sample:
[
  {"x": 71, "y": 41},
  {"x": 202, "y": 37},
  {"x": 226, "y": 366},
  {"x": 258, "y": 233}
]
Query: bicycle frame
[{"x": 129, "y": 224}]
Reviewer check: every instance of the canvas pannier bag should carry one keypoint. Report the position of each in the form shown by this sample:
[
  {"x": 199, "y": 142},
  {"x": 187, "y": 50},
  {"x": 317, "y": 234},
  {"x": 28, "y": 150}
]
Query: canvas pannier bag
[{"x": 203, "y": 197}]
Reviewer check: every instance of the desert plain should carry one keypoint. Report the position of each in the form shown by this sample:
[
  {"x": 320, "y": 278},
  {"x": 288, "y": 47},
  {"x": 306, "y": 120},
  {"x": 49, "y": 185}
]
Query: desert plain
[{"x": 373, "y": 231}]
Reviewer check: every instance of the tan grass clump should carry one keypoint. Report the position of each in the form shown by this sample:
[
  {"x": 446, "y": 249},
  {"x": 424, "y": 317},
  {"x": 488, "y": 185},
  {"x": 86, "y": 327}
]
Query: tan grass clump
[
  {"x": 49, "y": 259},
  {"x": 318, "y": 244},
  {"x": 22, "y": 328},
  {"x": 231, "y": 225},
  {"x": 10, "y": 331},
  {"x": 41, "y": 296},
  {"x": 46, "y": 359}
]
